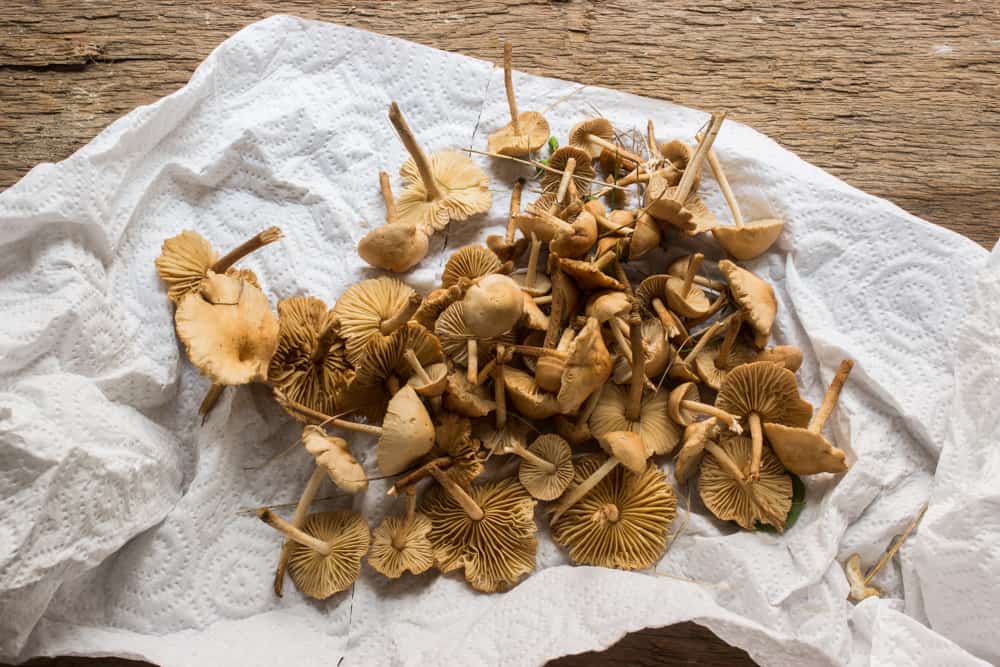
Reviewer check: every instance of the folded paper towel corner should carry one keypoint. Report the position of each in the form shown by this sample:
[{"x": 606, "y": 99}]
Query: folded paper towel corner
[{"x": 120, "y": 523}]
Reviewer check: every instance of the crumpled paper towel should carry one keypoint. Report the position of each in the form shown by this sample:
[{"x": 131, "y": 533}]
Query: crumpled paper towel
[{"x": 120, "y": 523}]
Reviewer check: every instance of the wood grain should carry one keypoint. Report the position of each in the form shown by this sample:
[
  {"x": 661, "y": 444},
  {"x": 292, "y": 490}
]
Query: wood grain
[{"x": 901, "y": 99}]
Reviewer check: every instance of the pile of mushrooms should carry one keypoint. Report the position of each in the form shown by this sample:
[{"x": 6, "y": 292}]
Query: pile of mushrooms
[{"x": 560, "y": 365}]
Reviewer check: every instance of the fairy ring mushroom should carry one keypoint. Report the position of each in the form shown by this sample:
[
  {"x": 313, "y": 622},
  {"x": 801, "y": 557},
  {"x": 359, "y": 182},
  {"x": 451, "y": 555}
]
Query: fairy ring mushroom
[
  {"x": 596, "y": 135},
  {"x": 715, "y": 361},
  {"x": 532, "y": 281},
  {"x": 465, "y": 398},
  {"x": 437, "y": 301},
  {"x": 529, "y": 400},
  {"x": 580, "y": 241},
  {"x": 789, "y": 356},
  {"x": 568, "y": 165},
  {"x": 652, "y": 294},
  {"x": 546, "y": 466},
  {"x": 658, "y": 433},
  {"x": 689, "y": 456},
  {"x": 373, "y": 307},
  {"x": 755, "y": 297},
  {"x": 401, "y": 544},
  {"x": 684, "y": 405},
  {"x": 590, "y": 275},
  {"x": 625, "y": 448},
  {"x": 472, "y": 262},
  {"x": 725, "y": 488},
  {"x": 387, "y": 360},
  {"x": 527, "y": 131},
  {"x": 395, "y": 246}
]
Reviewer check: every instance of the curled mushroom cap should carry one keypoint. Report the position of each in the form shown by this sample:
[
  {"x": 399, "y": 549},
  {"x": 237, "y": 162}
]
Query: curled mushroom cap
[
  {"x": 581, "y": 240},
  {"x": 587, "y": 368},
  {"x": 532, "y": 133},
  {"x": 184, "y": 262},
  {"x": 605, "y": 305},
  {"x": 755, "y": 298},
  {"x": 228, "y": 329},
  {"x": 789, "y": 356},
  {"x": 727, "y": 494},
  {"x": 334, "y": 455},
  {"x": 472, "y": 262},
  {"x": 712, "y": 368},
  {"x": 373, "y": 307},
  {"x": 493, "y": 307},
  {"x": 407, "y": 433},
  {"x": 465, "y": 398},
  {"x": 387, "y": 356},
  {"x": 454, "y": 332},
  {"x": 496, "y": 550},
  {"x": 658, "y": 433},
  {"x": 860, "y": 589},
  {"x": 547, "y": 478},
  {"x": 347, "y": 538},
  {"x": 435, "y": 382},
  {"x": 696, "y": 435},
  {"x": 589, "y": 275},
  {"x": 767, "y": 390},
  {"x": 453, "y": 434},
  {"x": 530, "y": 400},
  {"x": 622, "y": 522},
  {"x": 627, "y": 447},
  {"x": 750, "y": 240},
  {"x": 399, "y": 546}
]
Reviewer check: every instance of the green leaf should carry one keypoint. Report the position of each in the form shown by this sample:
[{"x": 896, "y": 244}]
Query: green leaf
[
  {"x": 553, "y": 144},
  {"x": 798, "y": 502}
]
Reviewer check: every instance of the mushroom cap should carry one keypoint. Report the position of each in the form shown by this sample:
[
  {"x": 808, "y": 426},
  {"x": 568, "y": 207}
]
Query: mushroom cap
[
  {"x": 803, "y": 452},
  {"x": 689, "y": 456},
  {"x": 789, "y": 356},
  {"x": 397, "y": 246},
  {"x": 587, "y": 276},
  {"x": 435, "y": 303},
  {"x": 335, "y": 456},
  {"x": 583, "y": 172},
  {"x": 407, "y": 432},
  {"x": 686, "y": 391},
  {"x": 658, "y": 433},
  {"x": 856, "y": 578},
  {"x": 511, "y": 435},
  {"x": 184, "y": 262},
  {"x": 679, "y": 154},
  {"x": 693, "y": 304},
  {"x": 580, "y": 241},
  {"x": 749, "y": 241},
  {"x": 465, "y": 188},
  {"x": 645, "y": 237},
  {"x": 533, "y": 317},
  {"x": 386, "y": 355},
  {"x": 605, "y": 305},
  {"x": 754, "y": 296},
  {"x": 363, "y": 307},
  {"x": 658, "y": 203},
  {"x": 319, "y": 576},
  {"x": 454, "y": 333},
  {"x": 316, "y": 383},
  {"x": 732, "y": 499},
  {"x": 506, "y": 252},
  {"x": 711, "y": 374},
  {"x": 439, "y": 381},
  {"x": 540, "y": 287},
  {"x": 528, "y": 398},
  {"x": 600, "y": 127},
  {"x": 416, "y": 555},
  {"x": 653, "y": 287},
  {"x": 587, "y": 368},
  {"x": 465, "y": 398},
  {"x": 534, "y": 132},
  {"x": 575, "y": 434},
  {"x": 497, "y": 550},
  {"x": 627, "y": 447},
  {"x": 658, "y": 350},
  {"x": 540, "y": 483},
  {"x": 539, "y": 222},
  {"x": 634, "y": 536},
  {"x": 767, "y": 389},
  {"x": 472, "y": 262},
  {"x": 453, "y": 437},
  {"x": 228, "y": 329},
  {"x": 493, "y": 307}
]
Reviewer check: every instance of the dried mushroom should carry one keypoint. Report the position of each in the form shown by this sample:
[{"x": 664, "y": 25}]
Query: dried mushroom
[
  {"x": 401, "y": 543},
  {"x": 728, "y": 493},
  {"x": 696, "y": 436},
  {"x": 755, "y": 298},
  {"x": 625, "y": 448},
  {"x": 373, "y": 307},
  {"x": 472, "y": 262},
  {"x": 527, "y": 131},
  {"x": 395, "y": 246},
  {"x": 546, "y": 468}
]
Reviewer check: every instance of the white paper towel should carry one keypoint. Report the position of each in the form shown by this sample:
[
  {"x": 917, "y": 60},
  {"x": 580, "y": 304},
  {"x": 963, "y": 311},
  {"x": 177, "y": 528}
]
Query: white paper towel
[{"x": 120, "y": 530}]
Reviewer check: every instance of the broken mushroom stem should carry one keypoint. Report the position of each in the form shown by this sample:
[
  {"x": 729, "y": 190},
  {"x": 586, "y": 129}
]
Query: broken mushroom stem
[
  {"x": 386, "y": 327},
  {"x": 535, "y": 351},
  {"x": 567, "y": 174},
  {"x": 694, "y": 263},
  {"x": 732, "y": 330},
  {"x": 399, "y": 537},
  {"x": 831, "y": 397},
  {"x": 514, "y": 210},
  {"x": 499, "y": 390},
  {"x": 293, "y": 533},
  {"x": 457, "y": 493},
  {"x": 416, "y": 152},
  {"x": 720, "y": 178},
  {"x": 757, "y": 446},
  {"x": 390, "y": 204},
  {"x": 256, "y": 242},
  {"x": 472, "y": 361},
  {"x": 608, "y": 512},
  {"x": 410, "y": 479},
  {"x": 517, "y": 449},
  {"x": 634, "y": 406},
  {"x": 298, "y": 517},
  {"x": 730, "y": 420},
  {"x": 656, "y": 155},
  {"x": 726, "y": 463},
  {"x": 895, "y": 545},
  {"x": 694, "y": 166},
  {"x": 532, "y": 274},
  {"x": 306, "y": 411},
  {"x": 574, "y": 495},
  {"x": 508, "y": 82}
]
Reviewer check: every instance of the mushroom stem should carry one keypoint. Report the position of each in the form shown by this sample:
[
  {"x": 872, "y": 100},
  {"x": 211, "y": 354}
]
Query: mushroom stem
[
  {"x": 694, "y": 263},
  {"x": 536, "y": 249},
  {"x": 832, "y": 394},
  {"x": 306, "y": 411},
  {"x": 390, "y": 203},
  {"x": 323, "y": 343},
  {"x": 605, "y": 259},
  {"x": 588, "y": 408},
  {"x": 399, "y": 537},
  {"x": 499, "y": 390},
  {"x": 619, "y": 151},
  {"x": 707, "y": 335},
  {"x": 605, "y": 223},
  {"x": 694, "y": 166},
  {"x": 411, "y": 358},
  {"x": 654, "y": 146},
  {"x": 291, "y": 532},
  {"x": 608, "y": 512},
  {"x": 410, "y": 479},
  {"x": 301, "y": 509},
  {"x": 634, "y": 406},
  {"x": 458, "y": 494},
  {"x": 558, "y": 306},
  {"x": 386, "y": 327},
  {"x": 472, "y": 363},
  {"x": 258, "y": 241},
  {"x": 211, "y": 397},
  {"x": 574, "y": 495},
  {"x": 896, "y": 544},
  {"x": 485, "y": 372},
  {"x": 515, "y": 210},
  {"x": 727, "y": 192},
  {"x": 417, "y": 153},
  {"x": 508, "y": 82},
  {"x": 567, "y": 174},
  {"x": 732, "y": 329},
  {"x": 623, "y": 344},
  {"x": 534, "y": 351},
  {"x": 757, "y": 447},
  {"x": 526, "y": 454},
  {"x": 732, "y": 421},
  {"x": 542, "y": 300},
  {"x": 667, "y": 319}
]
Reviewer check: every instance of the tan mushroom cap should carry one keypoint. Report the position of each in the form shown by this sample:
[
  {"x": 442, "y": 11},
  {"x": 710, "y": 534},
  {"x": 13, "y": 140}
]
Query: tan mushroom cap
[
  {"x": 407, "y": 433},
  {"x": 587, "y": 368},
  {"x": 728, "y": 495},
  {"x": 364, "y": 307},
  {"x": 414, "y": 553},
  {"x": 755, "y": 298},
  {"x": 184, "y": 262},
  {"x": 658, "y": 433},
  {"x": 465, "y": 190},
  {"x": 789, "y": 356},
  {"x": 605, "y": 305},
  {"x": 453, "y": 436},
  {"x": 689, "y": 456},
  {"x": 587, "y": 275},
  {"x": 472, "y": 262},
  {"x": 386, "y": 356},
  {"x": 583, "y": 172},
  {"x": 533, "y": 132},
  {"x": 465, "y": 398},
  {"x": 228, "y": 330},
  {"x": 454, "y": 333},
  {"x": 803, "y": 452},
  {"x": 495, "y": 551},
  {"x": 658, "y": 349},
  {"x": 334, "y": 455},
  {"x": 856, "y": 578},
  {"x": 438, "y": 374},
  {"x": 581, "y": 133},
  {"x": 766, "y": 389},
  {"x": 622, "y": 522},
  {"x": 692, "y": 304},
  {"x": 646, "y": 236},
  {"x": 749, "y": 241},
  {"x": 538, "y": 222},
  {"x": 580, "y": 241},
  {"x": 542, "y": 483},
  {"x": 395, "y": 247},
  {"x": 530, "y": 400},
  {"x": 534, "y": 317},
  {"x": 710, "y": 373},
  {"x": 309, "y": 364},
  {"x": 686, "y": 391},
  {"x": 493, "y": 307},
  {"x": 319, "y": 576},
  {"x": 677, "y": 154},
  {"x": 627, "y": 447}
]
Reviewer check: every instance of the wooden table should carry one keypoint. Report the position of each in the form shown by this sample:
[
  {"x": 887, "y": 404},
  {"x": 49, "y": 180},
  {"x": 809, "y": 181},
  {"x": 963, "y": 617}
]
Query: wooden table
[{"x": 901, "y": 99}]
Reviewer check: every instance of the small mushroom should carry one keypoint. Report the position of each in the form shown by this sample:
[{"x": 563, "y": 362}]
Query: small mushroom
[
  {"x": 728, "y": 493},
  {"x": 546, "y": 467},
  {"x": 580, "y": 241},
  {"x": 696, "y": 436},
  {"x": 625, "y": 448},
  {"x": 568, "y": 164},
  {"x": 755, "y": 298},
  {"x": 387, "y": 359},
  {"x": 588, "y": 367},
  {"x": 788, "y": 356},
  {"x": 527, "y": 131},
  {"x": 590, "y": 275},
  {"x": 679, "y": 266},
  {"x": 437, "y": 301},
  {"x": 471, "y": 262},
  {"x": 856, "y": 578},
  {"x": 683, "y": 368},
  {"x": 763, "y": 392},
  {"x": 646, "y": 236},
  {"x": 549, "y": 367},
  {"x": 455, "y": 335},
  {"x": 596, "y": 135},
  {"x": 533, "y": 317},
  {"x": 429, "y": 382},
  {"x": 684, "y": 405},
  {"x": 658, "y": 433},
  {"x": 622, "y": 522},
  {"x": 506, "y": 248},
  {"x": 652, "y": 294},
  {"x": 373, "y": 307},
  {"x": 536, "y": 221},
  {"x": 715, "y": 361},
  {"x": 617, "y": 222},
  {"x": 577, "y": 431},
  {"x": 401, "y": 543},
  {"x": 466, "y": 398},
  {"x": 326, "y": 556},
  {"x": 395, "y": 246},
  {"x": 506, "y": 435},
  {"x": 804, "y": 451},
  {"x": 532, "y": 281},
  {"x": 530, "y": 400},
  {"x": 493, "y": 307},
  {"x": 447, "y": 187},
  {"x": 683, "y": 297}
]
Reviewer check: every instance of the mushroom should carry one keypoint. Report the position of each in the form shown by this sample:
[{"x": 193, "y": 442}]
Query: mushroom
[
  {"x": 455, "y": 335},
  {"x": 596, "y": 135},
  {"x": 679, "y": 266},
  {"x": 714, "y": 362},
  {"x": 624, "y": 447},
  {"x": 527, "y": 131},
  {"x": 429, "y": 382},
  {"x": 546, "y": 467},
  {"x": 531, "y": 280},
  {"x": 537, "y": 221},
  {"x": 437, "y": 301},
  {"x": 762, "y": 392},
  {"x": 505, "y": 247},
  {"x": 646, "y": 235},
  {"x": 578, "y": 432},
  {"x": 588, "y": 367},
  {"x": 857, "y": 580},
  {"x": 506, "y": 435},
  {"x": 728, "y": 493},
  {"x": 456, "y": 454},
  {"x": 530, "y": 400},
  {"x": 804, "y": 451},
  {"x": 186, "y": 259},
  {"x": 228, "y": 329},
  {"x": 472, "y": 262},
  {"x": 569, "y": 163},
  {"x": 696, "y": 436},
  {"x": 490, "y": 309},
  {"x": 533, "y": 317},
  {"x": 682, "y": 368},
  {"x": 401, "y": 543},
  {"x": 466, "y": 398},
  {"x": 395, "y": 246},
  {"x": 652, "y": 294},
  {"x": 788, "y": 356},
  {"x": 755, "y": 298},
  {"x": 385, "y": 363},
  {"x": 590, "y": 275},
  {"x": 618, "y": 222},
  {"x": 684, "y": 405},
  {"x": 658, "y": 433},
  {"x": 373, "y": 307},
  {"x": 447, "y": 187},
  {"x": 580, "y": 241},
  {"x": 488, "y": 529},
  {"x": 326, "y": 556},
  {"x": 683, "y": 297},
  {"x": 622, "y": 522}
]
